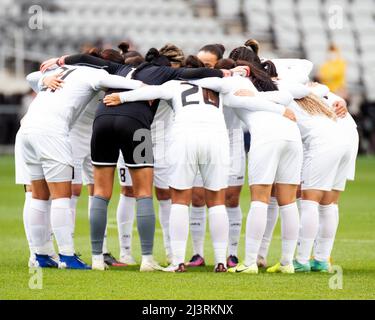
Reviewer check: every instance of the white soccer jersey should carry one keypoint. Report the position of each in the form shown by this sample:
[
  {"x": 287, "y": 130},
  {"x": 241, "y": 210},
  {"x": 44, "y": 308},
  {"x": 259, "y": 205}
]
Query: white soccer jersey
[
  {"x": 262, "y": 113},
  {"x": 190, "y": 103},
  {"x": 53, "y": 112}
]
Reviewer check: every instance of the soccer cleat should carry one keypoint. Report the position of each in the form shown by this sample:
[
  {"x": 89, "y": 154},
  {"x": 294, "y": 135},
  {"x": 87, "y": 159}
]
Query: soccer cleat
[
  {"x": 261, "y": 262},
  {"x": 111, "y": 261},
  {"x": 98, "y": 263},
  {"x": 72, "y": 262},
  {"x": 128, "y": 259},
  {"x": 319, "y": 266},
  {"x": 232, "y": 261},
  {"x": 278, "y": 268},
  {"x": 45, "y": 261},
  {"x": 175, "y": 268},
  {"x": 220, "y": 268},
  {"x": 149, "y": 266},
  {"x": 196, "y": 261},
  {"x": 301, "y": 267},
  {"x": 242, "y": 268}
]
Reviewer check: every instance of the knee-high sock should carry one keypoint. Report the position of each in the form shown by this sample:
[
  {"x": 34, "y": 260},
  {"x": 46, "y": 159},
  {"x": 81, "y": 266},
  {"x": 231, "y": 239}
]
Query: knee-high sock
[
  {"x": 219, "y": 230},
  {"x": 272, "y": 215},
  {"x": 309, "y": 226},
  {"x": 198, "y": 229},
  {"x": 61, "y": 220},
  {"x": 327, "y": 232},
  {"x": 25, "y": 215},
  {"x": 98, "y": 223},
  {"x": 235, "y": 224},
  {"x": 125, "y": 219},
  {"x": 255, "y": 226},
  {"x": 178, "y": 232},
  {"x": 289, "y": 232},
  {"x": 38, "y": 224},
  {"x": 50, "y": 246},
  {"x": 146, "y": 224},
  {"x": 73, "y": 209},
  {"x": 164, "y": 215}
]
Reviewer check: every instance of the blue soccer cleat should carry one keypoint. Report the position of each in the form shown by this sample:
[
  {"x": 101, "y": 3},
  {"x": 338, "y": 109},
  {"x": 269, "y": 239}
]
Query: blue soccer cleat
[
  {"x": 72, "y": 262},
  {"x": 319, "y": 266},
  {"x": 45, "y": 261},
  {"x": 301, "y": 267}
]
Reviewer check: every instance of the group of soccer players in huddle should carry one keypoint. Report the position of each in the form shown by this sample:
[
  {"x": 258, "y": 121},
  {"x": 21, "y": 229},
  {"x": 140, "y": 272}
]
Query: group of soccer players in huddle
[{"x": 177, "y": 124}]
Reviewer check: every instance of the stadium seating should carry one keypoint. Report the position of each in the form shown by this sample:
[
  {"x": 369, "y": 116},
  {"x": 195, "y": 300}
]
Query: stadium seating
[{"x": 300, "y": 28}]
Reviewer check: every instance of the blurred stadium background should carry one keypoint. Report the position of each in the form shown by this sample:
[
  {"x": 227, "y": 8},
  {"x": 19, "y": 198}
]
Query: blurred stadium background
[{"x": 34, "y": 30}]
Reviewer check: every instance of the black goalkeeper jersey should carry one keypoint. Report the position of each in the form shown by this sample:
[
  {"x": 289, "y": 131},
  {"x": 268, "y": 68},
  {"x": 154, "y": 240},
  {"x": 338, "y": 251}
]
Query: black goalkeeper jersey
[{"x": 149, "y": 74}]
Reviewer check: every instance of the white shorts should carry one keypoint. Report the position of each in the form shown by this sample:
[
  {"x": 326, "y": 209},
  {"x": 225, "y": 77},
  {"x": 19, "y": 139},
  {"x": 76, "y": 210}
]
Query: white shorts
[
  {"x": 326, "y": 168},
  {"x": 205, "y": 151},
  {"x": 83, "y": 169},
  {"x": 22, "y": 173},
  {"x": 47, "y": 157},
  {"x": 124, "y": 177},
  {"x": 275, "y": 162},
  {"x": 161, "y": 165},
  {"x": 237, "y": 168},
  {"x": 353, "y": 157}
]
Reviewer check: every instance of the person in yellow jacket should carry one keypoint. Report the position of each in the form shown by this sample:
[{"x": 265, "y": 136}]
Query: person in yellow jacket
[{"x": 332, "y": 73}]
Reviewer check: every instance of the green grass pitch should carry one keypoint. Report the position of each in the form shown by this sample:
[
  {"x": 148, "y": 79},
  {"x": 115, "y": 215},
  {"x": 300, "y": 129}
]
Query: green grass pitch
[{"x": 354, "y": 252}]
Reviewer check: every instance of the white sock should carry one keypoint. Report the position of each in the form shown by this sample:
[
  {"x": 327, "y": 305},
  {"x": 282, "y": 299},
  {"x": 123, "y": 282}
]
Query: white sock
[
  {"x": 289, "y": 232},
  {"x": 147, "y": 258},
  {"x": 73, "y": 210},
  {"x": 179, "y": 232},
  {"x": 198, "y": 229},
  {"x": 61, "y": 220},
  {"x": 272, "y": 215},
  {"x": 219, "y": 230},
  {"x": 309, "y": 227},
  {"x": 235, "y": 224},
  {"x": 125, "y": 220},
  {"x": 164, "y": 214},
  {"x": 38, "y": 224},
  {"x": 25, "y": 215},
  {"x": 105, "y": 248},
  {"x": 255, "y": 227},
  {"x": 327, "y": 231},
  {"x": 49, "y": 245}
]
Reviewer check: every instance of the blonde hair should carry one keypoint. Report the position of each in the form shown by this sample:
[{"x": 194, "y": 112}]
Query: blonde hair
[
  {"x": 173, "y": 53},
  {"x": 313, "y": 105}
]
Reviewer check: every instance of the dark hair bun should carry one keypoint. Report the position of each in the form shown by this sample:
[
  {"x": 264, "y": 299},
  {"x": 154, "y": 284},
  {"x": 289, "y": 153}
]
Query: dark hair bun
[
  {"x": 253, "y": 44},
  {"x": 152, "y": 54},
  {"x": 124, "y": 47},
  {"x": 220, "y": 47}
]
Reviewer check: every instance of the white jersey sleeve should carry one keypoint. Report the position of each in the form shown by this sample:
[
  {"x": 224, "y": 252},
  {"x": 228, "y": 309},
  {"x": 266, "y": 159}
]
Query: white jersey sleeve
[
  {"x": 265, "y": 101},
  {"x": 100, "y": 79},
  {"x": 297, "y": 90},
  {"x": 145, "y": 93}
]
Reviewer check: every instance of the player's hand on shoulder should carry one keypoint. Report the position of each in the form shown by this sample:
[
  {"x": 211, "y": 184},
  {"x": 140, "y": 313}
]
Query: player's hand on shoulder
[
  {"x": 53, "y": 82},
  {"x": 112, "y": 100},
  {"x": 243, "y": 71},
  {"x": 48, "y": 64},
  {"x": 289, "y": 114},
  {"x": 340, "y": 108}
]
